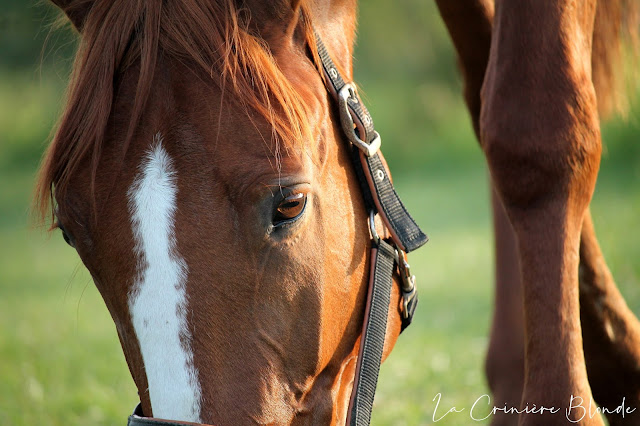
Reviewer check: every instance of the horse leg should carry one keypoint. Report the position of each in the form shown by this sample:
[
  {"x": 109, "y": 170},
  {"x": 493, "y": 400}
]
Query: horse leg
[
  {"x": 504, "y": 365},
  {"x": 469, "y": 24},
  {"x": 610, "y": 331},
  {"x": 603, "y": 310},
  {"x": 540, "y": 134}
]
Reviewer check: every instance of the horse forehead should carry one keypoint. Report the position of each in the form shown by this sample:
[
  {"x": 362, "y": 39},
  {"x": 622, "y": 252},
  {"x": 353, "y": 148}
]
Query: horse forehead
[
  {"x": 217, "y": 105},
  {"x": 234, "y": 156},
  {"x": 207, "y": 125}
]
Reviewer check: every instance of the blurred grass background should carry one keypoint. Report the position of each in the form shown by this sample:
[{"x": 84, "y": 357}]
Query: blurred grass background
[{"x": 60, "y": 360}]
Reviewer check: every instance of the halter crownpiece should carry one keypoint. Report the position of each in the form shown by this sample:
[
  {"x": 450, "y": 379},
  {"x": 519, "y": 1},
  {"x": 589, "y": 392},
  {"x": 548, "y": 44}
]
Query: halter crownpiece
[{"x": 380, "y": 198}]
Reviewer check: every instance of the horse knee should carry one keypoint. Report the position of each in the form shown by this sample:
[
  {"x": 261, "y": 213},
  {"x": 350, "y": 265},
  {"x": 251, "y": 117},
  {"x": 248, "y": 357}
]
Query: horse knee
[{"x": 540, "y": 146}]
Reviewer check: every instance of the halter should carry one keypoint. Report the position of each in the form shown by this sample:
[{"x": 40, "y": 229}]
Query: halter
[{"x": 380, "y": 198}]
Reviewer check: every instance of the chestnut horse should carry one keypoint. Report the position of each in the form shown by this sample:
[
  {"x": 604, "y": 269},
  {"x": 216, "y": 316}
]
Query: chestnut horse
[
  {"x": 537, "y": 76},
  {"x": 200, "y": 172}
]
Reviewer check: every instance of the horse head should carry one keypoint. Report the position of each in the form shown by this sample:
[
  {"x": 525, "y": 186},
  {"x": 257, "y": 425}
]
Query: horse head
[{"x": 201, "y": 173}]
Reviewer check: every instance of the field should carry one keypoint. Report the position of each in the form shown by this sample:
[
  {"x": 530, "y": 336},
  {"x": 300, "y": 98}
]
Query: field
[{"x": 60, "y": 359}]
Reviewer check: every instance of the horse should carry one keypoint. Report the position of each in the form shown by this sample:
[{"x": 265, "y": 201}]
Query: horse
[
  {"x": 219, "y": 177},
  {"x": 200, "y": 172},
  {"x": 538, "y": 78}
]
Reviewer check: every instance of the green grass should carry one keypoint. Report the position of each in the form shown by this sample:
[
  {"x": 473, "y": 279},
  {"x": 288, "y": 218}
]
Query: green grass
[{"x": 60, "y": 359}]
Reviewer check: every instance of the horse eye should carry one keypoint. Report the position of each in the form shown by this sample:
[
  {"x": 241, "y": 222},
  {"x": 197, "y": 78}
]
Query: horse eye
[
  {"x": 66, "y": 237},
  {"x": 290, "y": 208}
]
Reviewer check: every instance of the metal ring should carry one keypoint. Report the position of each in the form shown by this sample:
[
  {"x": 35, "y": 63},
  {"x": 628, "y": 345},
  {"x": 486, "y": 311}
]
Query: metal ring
[{"x": 372, "y": 228}]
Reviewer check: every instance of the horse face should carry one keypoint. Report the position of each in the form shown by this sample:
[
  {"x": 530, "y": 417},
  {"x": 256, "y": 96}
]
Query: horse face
[{"x": 234, "y": 267}]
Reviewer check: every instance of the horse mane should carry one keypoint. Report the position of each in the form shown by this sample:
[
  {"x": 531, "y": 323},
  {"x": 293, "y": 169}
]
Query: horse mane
[
  {"x": 215, "y": 36},
  {"x": 615, "y": 40}
]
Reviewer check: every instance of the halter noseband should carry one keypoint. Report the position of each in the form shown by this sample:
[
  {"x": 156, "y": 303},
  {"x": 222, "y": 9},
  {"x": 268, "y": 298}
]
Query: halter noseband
[{"x": 380, "y": 198}]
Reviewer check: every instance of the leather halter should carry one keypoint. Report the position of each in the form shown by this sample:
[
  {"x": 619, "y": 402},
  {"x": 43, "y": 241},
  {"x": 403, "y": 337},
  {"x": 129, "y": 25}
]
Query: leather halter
[{"x": 380, "y": 198}]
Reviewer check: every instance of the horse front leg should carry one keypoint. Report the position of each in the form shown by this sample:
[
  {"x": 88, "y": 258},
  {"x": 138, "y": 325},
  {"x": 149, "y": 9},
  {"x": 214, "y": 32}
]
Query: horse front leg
[
  {"x": 611, "y": 334},
  {"x": 540, "y": 134}
]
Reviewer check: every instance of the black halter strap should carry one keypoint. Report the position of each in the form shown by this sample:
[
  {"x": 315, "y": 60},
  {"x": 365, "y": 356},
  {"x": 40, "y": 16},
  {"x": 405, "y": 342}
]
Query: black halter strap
[
  {"x": 376, "y": 186},
  {"x": 380, "y": 198}
]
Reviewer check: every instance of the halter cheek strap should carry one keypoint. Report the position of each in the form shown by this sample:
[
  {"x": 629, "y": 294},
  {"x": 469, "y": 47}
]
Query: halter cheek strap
[
  {"x": 374, "y": 330},
  {"x": 380, "y": 198}
]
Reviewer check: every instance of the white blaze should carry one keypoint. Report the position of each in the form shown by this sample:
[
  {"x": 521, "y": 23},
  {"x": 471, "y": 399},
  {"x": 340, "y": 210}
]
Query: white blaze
[{"x": 158, "y": 300}]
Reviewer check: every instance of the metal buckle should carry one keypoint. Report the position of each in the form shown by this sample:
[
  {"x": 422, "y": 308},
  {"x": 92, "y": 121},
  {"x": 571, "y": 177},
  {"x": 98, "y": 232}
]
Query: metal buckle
[
  {"x": 408, "y": 281},
  {"x": 409, "y": 292},
  {"x": 347, "y": 92}
]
